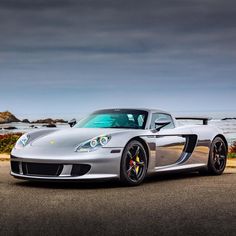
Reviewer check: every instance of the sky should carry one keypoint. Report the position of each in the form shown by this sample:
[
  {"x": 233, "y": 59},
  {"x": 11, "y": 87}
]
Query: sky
[{"x": 66, "y": 58}]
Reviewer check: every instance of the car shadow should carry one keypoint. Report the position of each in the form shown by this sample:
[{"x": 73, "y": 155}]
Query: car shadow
[
  {"x": 69, "y": 185},
  {"x": 163, "y": 177}
]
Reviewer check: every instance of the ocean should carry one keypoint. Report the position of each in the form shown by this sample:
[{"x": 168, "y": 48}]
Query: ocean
[{"x": 228, "y": 127}]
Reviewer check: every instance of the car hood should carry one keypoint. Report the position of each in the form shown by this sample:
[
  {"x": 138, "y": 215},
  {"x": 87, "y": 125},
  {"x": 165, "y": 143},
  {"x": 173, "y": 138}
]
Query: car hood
[{"x": 70, "y": 137}]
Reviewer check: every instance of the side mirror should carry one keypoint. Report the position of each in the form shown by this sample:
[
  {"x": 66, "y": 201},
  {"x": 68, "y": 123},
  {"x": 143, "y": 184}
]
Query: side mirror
[
  {"x": 72, "y": 122},
  {"x": 159, "y": 124}
]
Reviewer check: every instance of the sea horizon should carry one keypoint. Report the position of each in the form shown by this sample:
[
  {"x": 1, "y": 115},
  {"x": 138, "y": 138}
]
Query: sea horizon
[{"x": 215, "y": 115}]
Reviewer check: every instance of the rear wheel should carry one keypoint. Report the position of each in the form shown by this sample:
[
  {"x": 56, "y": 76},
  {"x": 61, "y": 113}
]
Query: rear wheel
[
  {"x": 217, "y": 157},
  {"x": 133, "y": 164}
]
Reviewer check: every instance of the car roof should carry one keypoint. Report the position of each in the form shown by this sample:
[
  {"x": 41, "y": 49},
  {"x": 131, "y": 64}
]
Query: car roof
[{"x": 142, "y": 109}]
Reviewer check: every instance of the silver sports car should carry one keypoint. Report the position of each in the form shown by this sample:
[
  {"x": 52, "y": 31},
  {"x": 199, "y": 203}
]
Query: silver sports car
[{"x": 125, "y": 144}]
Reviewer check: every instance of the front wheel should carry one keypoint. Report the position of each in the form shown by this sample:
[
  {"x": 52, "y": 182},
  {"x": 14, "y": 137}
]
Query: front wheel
[
  {"x": 217, "y": 157},
  {"x": 133, "y": 167}
]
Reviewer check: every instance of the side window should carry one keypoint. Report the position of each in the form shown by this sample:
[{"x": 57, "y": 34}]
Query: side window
[
  {"x": 161, "y": 116},
  {"x": 140, "y": 120}
]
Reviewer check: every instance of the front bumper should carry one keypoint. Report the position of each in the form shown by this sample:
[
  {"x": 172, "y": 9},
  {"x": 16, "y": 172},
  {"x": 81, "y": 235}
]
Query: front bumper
[{"x": 100, "y": 164}]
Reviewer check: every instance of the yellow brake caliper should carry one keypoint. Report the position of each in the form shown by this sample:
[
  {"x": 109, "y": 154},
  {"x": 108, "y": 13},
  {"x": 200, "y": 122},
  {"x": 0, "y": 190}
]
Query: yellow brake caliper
[{"x": 137, "y": 167}]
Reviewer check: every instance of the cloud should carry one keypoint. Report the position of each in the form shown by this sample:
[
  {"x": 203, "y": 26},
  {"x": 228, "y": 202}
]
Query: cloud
[
  {"x": 84, "y": 45},
  {"x": 33, "y": 5}
]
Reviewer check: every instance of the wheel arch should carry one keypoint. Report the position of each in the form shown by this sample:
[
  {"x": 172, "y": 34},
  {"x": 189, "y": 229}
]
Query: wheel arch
[{"x": 145, "y": 145}]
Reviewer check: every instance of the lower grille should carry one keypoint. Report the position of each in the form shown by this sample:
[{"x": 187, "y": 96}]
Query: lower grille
[
  {"x": 41, "y": 169},
  {"x": 47, "y": 169}
]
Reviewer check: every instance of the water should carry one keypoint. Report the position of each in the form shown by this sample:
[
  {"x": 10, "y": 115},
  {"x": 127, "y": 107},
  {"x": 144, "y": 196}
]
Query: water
[
  {"x": 26, "y": 127},
  {"x": 228, "y": 127}
]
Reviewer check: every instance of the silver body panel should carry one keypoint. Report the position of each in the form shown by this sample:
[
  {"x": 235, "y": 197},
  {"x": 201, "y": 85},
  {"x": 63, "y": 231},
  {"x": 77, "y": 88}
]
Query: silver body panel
[{"x": 178, "y": 148}]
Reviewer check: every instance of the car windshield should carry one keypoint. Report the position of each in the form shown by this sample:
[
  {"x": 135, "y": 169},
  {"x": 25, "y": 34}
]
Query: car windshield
[{"x": 129, "y": 119}]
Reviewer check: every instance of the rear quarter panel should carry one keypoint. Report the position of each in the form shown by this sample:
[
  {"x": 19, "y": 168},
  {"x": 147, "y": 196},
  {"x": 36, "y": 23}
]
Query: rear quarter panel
[{"x": 206, "y": 134}]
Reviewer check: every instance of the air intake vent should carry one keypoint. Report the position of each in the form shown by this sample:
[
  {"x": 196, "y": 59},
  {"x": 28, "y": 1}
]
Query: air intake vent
[
  {"x": 15, "y": 167},
  {"x": 80, "y": 169}
]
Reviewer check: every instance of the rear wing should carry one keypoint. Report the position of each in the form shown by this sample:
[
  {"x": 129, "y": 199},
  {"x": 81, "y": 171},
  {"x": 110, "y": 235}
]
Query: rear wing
[{"x": 203, "y": 119}]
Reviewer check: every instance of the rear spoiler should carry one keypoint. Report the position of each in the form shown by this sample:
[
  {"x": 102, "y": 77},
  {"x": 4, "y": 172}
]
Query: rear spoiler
[{"x": 203, "y": 119}]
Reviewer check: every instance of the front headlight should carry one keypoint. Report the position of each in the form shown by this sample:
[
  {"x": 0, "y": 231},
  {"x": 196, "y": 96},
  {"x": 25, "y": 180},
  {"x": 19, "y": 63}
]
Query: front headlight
[
  {"x": 22, "y": 141},
  {"x": 93, "y": 144}
]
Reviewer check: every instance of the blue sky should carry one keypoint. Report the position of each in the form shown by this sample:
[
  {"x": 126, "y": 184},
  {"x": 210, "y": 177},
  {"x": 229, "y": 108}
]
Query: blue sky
[{"x": 67, "y": 58}]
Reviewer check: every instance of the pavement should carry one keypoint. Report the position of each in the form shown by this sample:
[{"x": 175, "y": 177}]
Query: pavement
[
  {"x": 4, "y": 157},
  {"x": 231, "y": 163},
  {"x": 180, "y": 204}
]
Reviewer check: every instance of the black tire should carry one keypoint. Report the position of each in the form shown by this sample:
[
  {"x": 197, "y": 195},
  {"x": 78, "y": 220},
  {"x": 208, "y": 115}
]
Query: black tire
[
  {"x": 217, "y": 157},
  {"x": 133, "y": 166}
]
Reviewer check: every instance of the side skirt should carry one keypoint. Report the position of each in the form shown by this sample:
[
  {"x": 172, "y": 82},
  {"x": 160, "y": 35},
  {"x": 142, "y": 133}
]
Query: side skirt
[{"x": 179, "y": 167}]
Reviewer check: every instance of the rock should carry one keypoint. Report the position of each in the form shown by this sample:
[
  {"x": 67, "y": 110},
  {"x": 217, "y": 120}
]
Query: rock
[
  {"x": 233, "y": 118},
  {"x": 60, "y": 121},
  {"x": 43, "y": 121},
  {"x": 25, "y": 121},
  {"x": 50, "y": 125},
  {"x": 32, "y": 126},
  {"x": 10, "y": 128},
  {"x": 7, "y": 117},
  {"x": 49, "y": 121}
]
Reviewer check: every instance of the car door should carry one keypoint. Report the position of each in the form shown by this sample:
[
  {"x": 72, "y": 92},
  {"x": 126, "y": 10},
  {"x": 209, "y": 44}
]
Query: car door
[{"x": 169, "y": 145}]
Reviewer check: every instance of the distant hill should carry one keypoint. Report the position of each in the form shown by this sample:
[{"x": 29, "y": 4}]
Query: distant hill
[{"x": 7, "y": 117}]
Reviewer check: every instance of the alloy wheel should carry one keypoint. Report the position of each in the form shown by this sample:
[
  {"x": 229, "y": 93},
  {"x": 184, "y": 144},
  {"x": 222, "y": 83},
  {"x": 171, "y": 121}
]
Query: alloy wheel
[
  {"x": 135, "y": 163},
  {"x": 219, "y": 155}
]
